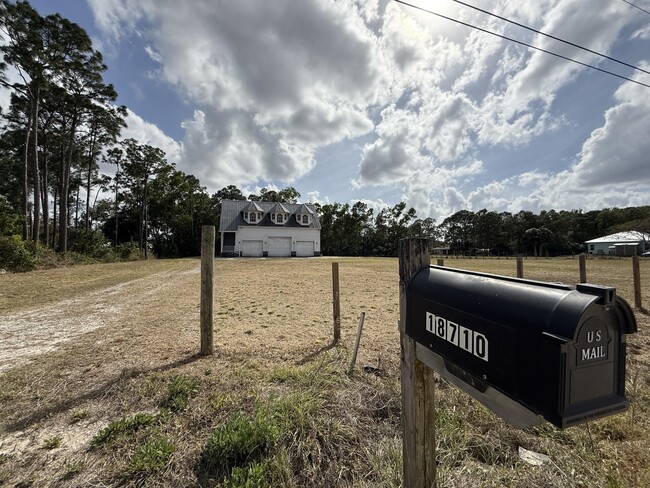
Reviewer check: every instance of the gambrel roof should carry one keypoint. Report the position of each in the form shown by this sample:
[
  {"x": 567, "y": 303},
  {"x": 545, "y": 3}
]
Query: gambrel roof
[{"x": 231, "y": 214}]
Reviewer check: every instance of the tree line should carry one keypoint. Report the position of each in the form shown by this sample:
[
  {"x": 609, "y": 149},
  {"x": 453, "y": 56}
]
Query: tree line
[{"x": 63, "y": 121}]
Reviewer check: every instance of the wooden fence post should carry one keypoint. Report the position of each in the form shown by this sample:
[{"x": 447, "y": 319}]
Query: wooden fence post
[
  {"x": 336, "y": 299},
  {"x": 520, "y": 266},
  {"x": 418, "y": 406},
  {"x": 440, "y": 262},
  {"x": 207, "y": 292},
  {"x": 582, "y": 264},
  {"x": 636, "y": 275}
]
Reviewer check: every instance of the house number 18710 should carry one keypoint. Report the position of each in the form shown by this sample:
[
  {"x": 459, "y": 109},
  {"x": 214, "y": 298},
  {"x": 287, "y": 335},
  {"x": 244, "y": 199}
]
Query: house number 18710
[{"x": 467, "y": 339}]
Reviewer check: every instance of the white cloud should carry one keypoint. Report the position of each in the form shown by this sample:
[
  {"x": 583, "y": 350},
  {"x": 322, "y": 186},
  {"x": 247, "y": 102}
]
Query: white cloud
[
  {"x": 147, "y": 133},
  {"x": 271, "y": 83}
]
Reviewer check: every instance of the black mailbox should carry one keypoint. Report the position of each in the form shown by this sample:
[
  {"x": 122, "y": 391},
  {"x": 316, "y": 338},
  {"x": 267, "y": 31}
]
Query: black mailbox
[{"x": 556, "y": 351}]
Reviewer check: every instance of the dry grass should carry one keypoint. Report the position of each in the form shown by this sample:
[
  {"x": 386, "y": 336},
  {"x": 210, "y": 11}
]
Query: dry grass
[{"x": 274, "y": 371}]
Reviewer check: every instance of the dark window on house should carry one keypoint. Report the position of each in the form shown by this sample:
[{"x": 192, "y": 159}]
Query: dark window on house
[
  {"x": 253, "y": 217},
  {"x": 279, "y": 218},
  {"x": 304, "y": 219},
  {"x": 592, "y": 247}
]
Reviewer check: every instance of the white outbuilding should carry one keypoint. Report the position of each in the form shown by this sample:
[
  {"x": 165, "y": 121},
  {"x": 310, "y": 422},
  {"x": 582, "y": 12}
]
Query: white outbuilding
[
  {"x": 260, "y": 229},
  {"x": 629, "y": 243}
]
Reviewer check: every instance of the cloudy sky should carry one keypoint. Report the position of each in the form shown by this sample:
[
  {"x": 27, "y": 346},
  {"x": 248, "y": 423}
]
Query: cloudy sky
[{"x": 372, "y": 100}]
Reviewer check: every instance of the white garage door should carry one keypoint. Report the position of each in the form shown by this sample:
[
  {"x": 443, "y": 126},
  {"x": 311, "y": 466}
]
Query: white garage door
[
  {"x": 279, "y": 246},
  {"x": 251, "y": 248},
  {"x": 304, "y": 248}
]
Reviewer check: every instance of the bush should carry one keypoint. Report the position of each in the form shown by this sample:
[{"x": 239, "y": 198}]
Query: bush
[
  {"x": 89, "y": 242},
  {"x": 128, "y": 251},
  {"x": 15, "y": 255}
]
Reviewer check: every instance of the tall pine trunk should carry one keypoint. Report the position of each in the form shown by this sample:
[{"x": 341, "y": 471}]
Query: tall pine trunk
[
  {"x": 25, "y": 202},
  {"x": 35, "y": 168},
  {"x": 117, "y": 186},
  {"x": 91, "y": 160},
  {"x": 65, "y": 188},
  {"x": 45, "y": 194}
]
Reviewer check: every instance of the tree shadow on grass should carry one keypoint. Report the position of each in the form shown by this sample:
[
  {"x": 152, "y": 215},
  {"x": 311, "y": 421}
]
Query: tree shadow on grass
[{"x": 100, "y": 391}]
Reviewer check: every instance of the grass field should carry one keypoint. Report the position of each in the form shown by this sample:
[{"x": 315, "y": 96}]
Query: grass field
[{"x": 122, "y": 398}]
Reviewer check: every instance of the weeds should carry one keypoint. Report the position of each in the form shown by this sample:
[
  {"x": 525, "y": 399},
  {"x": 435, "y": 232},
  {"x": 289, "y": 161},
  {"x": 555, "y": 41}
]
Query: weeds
[
  {"x": 179, "y": 392},
  {"x": 52, "y": 443},
  {"x": 73, "y": 469},
  {"x": 152, "y": 457},
  {"x": 124, "y": 426},
  {"x": 240, "y": 441},
  {"x": 78, "y": 416}
]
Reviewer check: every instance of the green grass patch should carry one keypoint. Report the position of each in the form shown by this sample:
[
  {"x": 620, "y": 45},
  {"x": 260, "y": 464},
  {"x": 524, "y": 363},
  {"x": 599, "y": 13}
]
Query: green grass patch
[
  {"x": 124, "y": 426},
  {"x": 242, "y": 439},
  {"x": 179, "y": 392},
  {"x": 152, "y": 457}
]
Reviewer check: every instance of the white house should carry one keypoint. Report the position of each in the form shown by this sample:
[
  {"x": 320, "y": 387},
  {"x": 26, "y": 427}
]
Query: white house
[
  {"x": 256, "y": 229},
  {"x": 620, "y": 244}
]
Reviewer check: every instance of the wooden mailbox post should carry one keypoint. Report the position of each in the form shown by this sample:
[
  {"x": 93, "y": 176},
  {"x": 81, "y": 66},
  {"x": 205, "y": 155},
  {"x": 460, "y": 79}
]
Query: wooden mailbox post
[{"x": 418, "y": 413}]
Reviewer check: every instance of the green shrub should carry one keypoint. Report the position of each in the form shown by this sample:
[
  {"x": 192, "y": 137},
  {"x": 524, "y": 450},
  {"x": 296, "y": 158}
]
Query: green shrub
[
  {"x": 15, "y": 254},
  {"x": 128, "y": 251},
  {"x": 89, "y": 242}
]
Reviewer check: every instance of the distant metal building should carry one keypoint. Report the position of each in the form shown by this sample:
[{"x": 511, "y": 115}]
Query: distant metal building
[
  {"x": 629, "y": 243},
  {"x": 260, "y": 229}
]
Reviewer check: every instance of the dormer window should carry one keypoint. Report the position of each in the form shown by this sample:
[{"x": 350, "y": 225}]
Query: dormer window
[
  {"x": 253, "y": 213},
  {"x": 279, "y": 214},
  {"x": 303, "y": 219}
]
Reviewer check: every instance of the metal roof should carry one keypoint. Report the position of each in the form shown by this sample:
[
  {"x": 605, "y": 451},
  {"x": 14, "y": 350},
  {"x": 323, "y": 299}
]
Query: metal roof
[
  {"x": 621, "y": 237},
  {"x": 231, "y": 215},
  {"x": 253, "y": 207},
  {"x": 279, "y": 208}
]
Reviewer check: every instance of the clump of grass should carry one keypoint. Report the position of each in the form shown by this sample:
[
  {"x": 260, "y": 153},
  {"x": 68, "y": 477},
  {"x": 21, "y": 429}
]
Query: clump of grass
[
  {"x": 241, "y": 440},
  {"x": 73, "y": 469},
  {"x": 124, "y": 426},
  {"x": 152, "y": 457},
  {"x": 52, "y": 443},
  {"x": 179, "y": 392},
  {"x": 254, "y": 475},
  {"x": 78, "y": 415}
]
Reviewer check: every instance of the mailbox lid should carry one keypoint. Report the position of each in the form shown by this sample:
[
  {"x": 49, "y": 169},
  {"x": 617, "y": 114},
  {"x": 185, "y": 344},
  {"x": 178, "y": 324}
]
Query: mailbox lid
[{"x": 500, "y": 299}]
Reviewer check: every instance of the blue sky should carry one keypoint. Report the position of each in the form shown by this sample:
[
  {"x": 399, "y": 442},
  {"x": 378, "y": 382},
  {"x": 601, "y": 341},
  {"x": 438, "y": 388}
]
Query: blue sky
[{"x": 370, "y": 100}]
